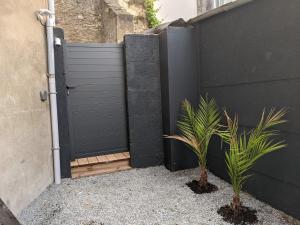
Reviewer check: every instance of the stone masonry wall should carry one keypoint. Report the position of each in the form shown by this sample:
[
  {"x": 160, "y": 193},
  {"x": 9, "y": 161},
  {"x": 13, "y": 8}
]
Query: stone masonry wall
[
  {"x": 116, "y": 21},
  {"x": 80, "y": 20},
  {"x": 100, "y": 20},
  {"x": 137, "y": 9}
]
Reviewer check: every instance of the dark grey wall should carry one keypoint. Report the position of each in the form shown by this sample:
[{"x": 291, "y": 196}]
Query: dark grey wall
[
  {"x": 178, "y": 81},
  {"x": 249, "y": 59},
  {"x": 144, "y": 100}
]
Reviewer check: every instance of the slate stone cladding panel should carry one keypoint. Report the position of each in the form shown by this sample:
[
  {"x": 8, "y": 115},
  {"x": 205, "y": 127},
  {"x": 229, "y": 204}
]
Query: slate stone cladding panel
[{"x": 144, "y": 100}]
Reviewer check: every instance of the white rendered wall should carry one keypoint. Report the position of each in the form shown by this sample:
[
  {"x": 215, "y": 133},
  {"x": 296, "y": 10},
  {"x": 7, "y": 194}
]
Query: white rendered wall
[
  {"x": 170, "y": 10},
  {"x": 25, "y": 130}
]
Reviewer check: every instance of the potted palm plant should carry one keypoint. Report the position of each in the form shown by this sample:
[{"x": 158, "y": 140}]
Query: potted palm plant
[
  {"x": 197, "y": 126},
  {"x": 244, "y": 150}
]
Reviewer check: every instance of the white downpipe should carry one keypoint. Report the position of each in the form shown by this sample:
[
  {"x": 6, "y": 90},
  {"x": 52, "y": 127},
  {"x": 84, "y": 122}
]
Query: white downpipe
[{"x": 52, "y": 92}]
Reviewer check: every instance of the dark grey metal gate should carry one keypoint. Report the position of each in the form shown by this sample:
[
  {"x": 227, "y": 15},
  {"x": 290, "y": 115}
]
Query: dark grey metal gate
[{"x": 95, "y": 83}]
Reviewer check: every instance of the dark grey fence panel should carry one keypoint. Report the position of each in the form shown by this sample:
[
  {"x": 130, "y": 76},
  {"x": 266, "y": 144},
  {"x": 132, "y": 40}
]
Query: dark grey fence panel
[
  {"x": 144, "y": 100},
  {"x": 95, "y": 80},
  {"x": 249, "y": 59},
  {"x": 179, "y": 81}
]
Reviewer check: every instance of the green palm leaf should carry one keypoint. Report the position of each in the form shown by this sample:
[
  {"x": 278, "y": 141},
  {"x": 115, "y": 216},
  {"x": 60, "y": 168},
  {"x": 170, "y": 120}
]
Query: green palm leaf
[
  {"x": 246, "y": 148},
  {"x": 197, "y": 125}
]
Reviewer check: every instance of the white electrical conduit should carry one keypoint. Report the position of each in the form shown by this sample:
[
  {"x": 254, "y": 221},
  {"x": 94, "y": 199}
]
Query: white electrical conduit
[{"x": 52, "y": 87}]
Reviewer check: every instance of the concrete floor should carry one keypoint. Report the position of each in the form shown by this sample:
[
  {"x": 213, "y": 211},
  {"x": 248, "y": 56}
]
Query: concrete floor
[{"x": 152, "y": 196}]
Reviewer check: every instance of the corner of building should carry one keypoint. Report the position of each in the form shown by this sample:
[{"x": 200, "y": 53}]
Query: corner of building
[{"x": 25, "y": 130}]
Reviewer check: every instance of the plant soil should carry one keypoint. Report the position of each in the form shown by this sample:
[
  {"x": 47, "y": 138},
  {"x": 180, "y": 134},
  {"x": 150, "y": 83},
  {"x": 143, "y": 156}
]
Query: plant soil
[
  {"x": 196, "y": 188},
  {"x": 245, "y": 215}
]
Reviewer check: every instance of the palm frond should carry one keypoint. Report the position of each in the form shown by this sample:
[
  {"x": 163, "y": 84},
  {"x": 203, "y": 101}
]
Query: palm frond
[
  {"x": 246, "y": 148},
  {"x": 197, "y": 125}
]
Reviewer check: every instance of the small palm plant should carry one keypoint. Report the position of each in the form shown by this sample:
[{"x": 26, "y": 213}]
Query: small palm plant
[
  {"x": 246, "y": 148},
  {"x": 197, "y": 127}
]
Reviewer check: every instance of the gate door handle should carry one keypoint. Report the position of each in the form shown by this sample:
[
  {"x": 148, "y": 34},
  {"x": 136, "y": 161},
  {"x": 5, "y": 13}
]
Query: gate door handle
[{"x": 69, "y": 88}]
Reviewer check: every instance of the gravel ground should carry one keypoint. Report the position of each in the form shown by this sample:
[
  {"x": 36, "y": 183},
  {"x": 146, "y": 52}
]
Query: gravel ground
[{"x": 152, "y": 196}]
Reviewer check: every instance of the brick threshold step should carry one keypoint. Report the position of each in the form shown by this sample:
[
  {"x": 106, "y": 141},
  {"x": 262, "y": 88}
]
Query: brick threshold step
[{"x": 97, "y": 165}]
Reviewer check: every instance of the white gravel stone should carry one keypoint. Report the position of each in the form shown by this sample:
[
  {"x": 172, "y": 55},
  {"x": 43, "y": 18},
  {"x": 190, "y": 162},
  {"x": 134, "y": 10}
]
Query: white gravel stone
[{"x": 152, "y": 196}]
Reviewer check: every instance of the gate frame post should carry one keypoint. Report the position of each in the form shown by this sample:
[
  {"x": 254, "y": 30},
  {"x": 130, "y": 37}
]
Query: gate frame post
[{"x": 62, "y": 110}]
